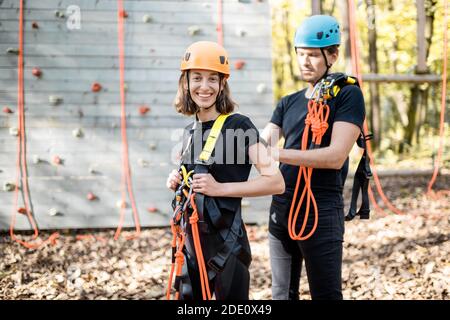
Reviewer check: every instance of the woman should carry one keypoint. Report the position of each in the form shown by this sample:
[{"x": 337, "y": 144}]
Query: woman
[{"x": 219, "y": 178}]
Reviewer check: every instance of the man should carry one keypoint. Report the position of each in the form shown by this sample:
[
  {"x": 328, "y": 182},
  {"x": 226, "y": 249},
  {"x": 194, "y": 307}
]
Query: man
[{"x": 316, "y": 43}]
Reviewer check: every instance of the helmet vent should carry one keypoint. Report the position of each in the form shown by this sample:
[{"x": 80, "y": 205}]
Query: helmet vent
[
  {"x": 187, "y": 56},
  {"x": 319, "y": 35}
]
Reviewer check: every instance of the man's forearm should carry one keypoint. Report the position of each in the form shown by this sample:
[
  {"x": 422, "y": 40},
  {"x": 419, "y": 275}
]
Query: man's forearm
[{"x": 256, "y": 187}]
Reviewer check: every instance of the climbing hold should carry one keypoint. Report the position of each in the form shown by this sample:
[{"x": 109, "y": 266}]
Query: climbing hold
[
  {"x": 194, "y": 30},
  {"x": 123, "y": 14},
  {"x": 125, "y": 87},
  {"x": 57, "y": 160},
  {"x": 77, "y": 133},
  {"x": 12, "y": 51},
  {"x": 59, "y": 14},
  {"x": 91, "y": 197},
  {"x": 261, "y": 88},
  {"x": 152, "y": 146},
  {"x": 36, "y": 159},
  {"x": 152, "y": 209},
  {"x": 239, "y": 64},
  {"x": 80, "y": 113},
  {"x": 92, "y": 169},
  {"x": 143, "y": 163},
  {"x": 54, "y": 100},
  {"x": 54, "y": 212},
  {"x": 37, "y": 72},
  {"x": 7, "y": 110},
  {"x": 34, "y": 25},
  {"x": 96, "y": 87},
  {"x": 22, "y": 210},
  {"x": 14, "y": 131},
  {"x": 147, "y": 18},
  {"x": 9, "y": 186},
  {"x": 143, "y": 109},
  {"x": 121, "y": 204},
  {"x": 240, "y": 32}
]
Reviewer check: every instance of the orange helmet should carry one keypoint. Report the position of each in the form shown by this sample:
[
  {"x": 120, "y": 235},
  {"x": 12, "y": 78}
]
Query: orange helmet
[{"x": 206, "y": 55}]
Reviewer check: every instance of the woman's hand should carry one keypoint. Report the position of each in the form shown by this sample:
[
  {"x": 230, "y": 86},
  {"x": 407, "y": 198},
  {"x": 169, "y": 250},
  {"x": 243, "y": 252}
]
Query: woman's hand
[
  {"x": 206, "y": 184},
  {"x": 174, "y": 180}
]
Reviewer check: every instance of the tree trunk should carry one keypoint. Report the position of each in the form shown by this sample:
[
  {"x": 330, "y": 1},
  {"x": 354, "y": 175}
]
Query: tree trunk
[
  {"x": 430, "y": 8},
  {"x": 316, "y": 7},
  {"x": 419, "y": 97},
  {"x": 289, "y": 46},
  {"x": 375, "y": 109},
  {"x": 345, "y": 36}
]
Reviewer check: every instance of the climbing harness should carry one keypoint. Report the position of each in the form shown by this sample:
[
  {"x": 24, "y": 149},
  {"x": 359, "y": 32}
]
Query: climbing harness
[
  {"x": 316, "y": 122},
  {"x": 212, "y": 254}
]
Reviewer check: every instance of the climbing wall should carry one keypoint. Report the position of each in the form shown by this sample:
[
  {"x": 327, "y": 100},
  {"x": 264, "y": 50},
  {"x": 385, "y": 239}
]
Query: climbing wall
[{"x": 74, "y": 143}]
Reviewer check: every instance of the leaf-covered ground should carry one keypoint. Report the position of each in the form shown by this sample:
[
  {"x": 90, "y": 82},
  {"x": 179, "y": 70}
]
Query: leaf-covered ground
[{"x": 387, "y": 257}]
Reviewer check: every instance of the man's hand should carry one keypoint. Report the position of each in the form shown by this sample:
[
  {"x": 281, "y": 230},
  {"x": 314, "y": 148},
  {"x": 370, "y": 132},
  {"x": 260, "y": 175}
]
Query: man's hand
[{"x": 274, "y": 152}]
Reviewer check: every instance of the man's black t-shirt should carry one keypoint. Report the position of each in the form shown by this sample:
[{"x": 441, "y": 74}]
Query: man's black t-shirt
[
  {"x": 289, "y": 115},
  {"x": 230, "y": 159}
]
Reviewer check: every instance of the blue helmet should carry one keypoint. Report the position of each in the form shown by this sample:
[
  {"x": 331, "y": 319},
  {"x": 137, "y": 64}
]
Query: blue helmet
[{"x": 317, "y": 31}]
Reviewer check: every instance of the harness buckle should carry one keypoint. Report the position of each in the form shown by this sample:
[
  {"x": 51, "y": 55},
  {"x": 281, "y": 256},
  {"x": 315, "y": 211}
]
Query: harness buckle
[{"x": 214, "y": 266}]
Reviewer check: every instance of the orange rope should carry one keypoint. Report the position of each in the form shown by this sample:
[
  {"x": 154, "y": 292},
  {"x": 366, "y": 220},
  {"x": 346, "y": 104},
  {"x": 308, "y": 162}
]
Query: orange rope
[
  {"x": 21, "y": 163},
  {"x": 178, "y": 255},
  {"x": 198, "y": 251},
  {"x": 316, "y": 120},
  {"x": 357, "y": 70},
  {"x": 126, "y": 175},
  {"x": 443, "y": 97},
  {"x": 219, "y": 27}
]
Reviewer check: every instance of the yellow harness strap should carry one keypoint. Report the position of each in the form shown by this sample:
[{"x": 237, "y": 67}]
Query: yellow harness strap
[{"x": 212, "y": 137}]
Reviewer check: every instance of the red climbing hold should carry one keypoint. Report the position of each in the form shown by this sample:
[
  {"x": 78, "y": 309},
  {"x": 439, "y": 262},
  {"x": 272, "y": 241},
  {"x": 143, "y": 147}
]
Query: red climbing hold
[
  {"x": 57, "y": 160},
  {"x": 124, "y": 14},
  {"x": 143, "y": 109},
  {"x": 7, "y": 110},
  {"x": 152, "y": 209},
  {"x": 37, "y": 72},
  {"x": 96, "y": 87},
  {"x": 22, "y": 210},
  {"x": 34, "y": 25},
  {"x": 239, "y": 64},
  {"x": 91, "y": 196}
]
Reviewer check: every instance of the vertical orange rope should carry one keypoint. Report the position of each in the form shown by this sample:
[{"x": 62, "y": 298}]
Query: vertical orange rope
[
  {"x": 126, "y": 175},
  {"x": 21, "y": 163},
  {"x": 316, "y": 121},
  {"x": 443, "y": 97},
  {"x": 357, "y": 70},
  {"x": 219, "y": 22}
]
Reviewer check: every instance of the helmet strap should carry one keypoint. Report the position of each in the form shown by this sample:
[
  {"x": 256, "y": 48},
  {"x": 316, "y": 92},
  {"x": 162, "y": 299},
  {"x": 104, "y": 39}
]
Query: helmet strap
[{"x": 326, "y": 64}]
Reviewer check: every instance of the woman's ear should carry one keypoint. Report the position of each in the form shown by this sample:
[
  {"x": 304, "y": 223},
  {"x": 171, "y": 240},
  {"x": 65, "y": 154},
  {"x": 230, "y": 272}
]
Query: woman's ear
[{"x": 224, "y": 82}]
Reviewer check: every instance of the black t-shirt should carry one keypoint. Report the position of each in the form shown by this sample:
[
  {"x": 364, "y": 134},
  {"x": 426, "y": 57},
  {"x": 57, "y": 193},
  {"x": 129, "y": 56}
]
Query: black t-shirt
[
  {"x": 230, "y": 159},
  {"x": 290, "y": 113}
]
